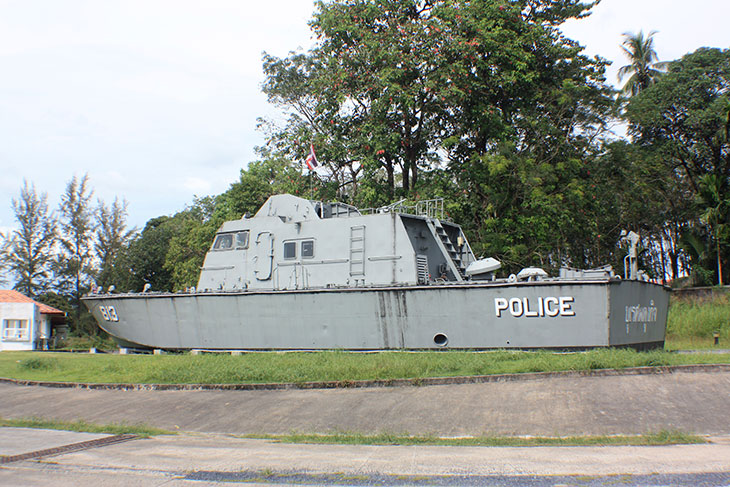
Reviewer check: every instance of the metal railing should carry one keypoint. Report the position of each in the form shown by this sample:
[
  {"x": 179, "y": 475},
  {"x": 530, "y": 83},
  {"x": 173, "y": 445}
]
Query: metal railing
[{"x": 433, "y": 208}]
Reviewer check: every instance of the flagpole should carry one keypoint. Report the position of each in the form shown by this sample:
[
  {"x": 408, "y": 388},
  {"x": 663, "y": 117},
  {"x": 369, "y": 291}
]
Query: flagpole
[{"x": 311, "y": 162}]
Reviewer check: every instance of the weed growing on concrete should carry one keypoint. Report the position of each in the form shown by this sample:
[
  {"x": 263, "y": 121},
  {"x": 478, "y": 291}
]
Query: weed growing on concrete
[
  {"x": 83, "y": 426},
  {"x": 663, "y": 437}
]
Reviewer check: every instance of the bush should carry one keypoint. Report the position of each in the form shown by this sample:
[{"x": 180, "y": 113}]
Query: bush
[{"x": 87, "y": 342}]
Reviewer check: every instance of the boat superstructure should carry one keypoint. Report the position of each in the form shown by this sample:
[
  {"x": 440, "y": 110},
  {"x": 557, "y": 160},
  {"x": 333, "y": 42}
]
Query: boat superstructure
[
  {"x": 302, "y": 274},
  {"x": 294, "y": 243}
]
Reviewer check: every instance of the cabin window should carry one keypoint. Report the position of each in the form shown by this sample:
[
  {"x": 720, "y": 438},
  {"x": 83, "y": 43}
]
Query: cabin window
[
  {"x": 223, "y": 242},
  {"x": 15, "y": 330},
  {"x": 242, "y": 240},
  {"x": 307, "y": 249},
  {"x": 290, "y": 250}
]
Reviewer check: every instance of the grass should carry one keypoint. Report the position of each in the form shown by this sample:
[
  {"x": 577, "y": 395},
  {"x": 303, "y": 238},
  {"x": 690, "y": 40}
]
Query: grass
[
  {"x": 692, "y": 320},
  {"x": 676, "y": 343},
  {"x": 298, "y": 367},
  {"x": 649, "y": 439},
  {"x": 85, "y": 427}
]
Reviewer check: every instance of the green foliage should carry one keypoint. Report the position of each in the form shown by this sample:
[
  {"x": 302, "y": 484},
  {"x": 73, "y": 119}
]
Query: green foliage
[
  {"x": 643, "y": 67},
  {"x": 143, "y": 261},
  {"x": 112, "y": 237},
  {"x": 682, "y": 122},
  {"x": 715, "y": 201},
  {"x": 493, "y": 86},
  {"x": 193, "y": 233},
  {"x": 101, "y": 341},
  {"x": 73, "y": 265},
  {"x": 525, "y": 115},
  {"x": 28, "y": 251}
]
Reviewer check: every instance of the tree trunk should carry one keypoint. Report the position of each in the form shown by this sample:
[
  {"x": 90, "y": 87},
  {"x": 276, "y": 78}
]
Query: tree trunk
[
  {"x": 391, "y": 179},
  {"x": 406, "y": 172},
  {"x": 664, "y": 265},
  {"x": 719, "y": 263}
]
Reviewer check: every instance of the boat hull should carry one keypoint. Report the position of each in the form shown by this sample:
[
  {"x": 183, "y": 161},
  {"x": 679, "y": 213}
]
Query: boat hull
[{"x": 550, "y": 314}]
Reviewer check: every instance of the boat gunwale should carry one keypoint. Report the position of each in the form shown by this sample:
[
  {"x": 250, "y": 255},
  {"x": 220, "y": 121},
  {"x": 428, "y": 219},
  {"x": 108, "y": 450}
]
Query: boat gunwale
[{"x": 412, "y": 287}]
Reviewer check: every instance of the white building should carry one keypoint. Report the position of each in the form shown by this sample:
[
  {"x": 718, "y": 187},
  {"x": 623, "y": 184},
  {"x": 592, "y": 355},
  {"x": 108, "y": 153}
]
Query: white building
[{"x": 26, "y": 324}]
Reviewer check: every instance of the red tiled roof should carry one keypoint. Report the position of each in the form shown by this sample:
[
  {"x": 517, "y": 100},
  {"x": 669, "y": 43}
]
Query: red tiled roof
[{"x": 8, "y": 296}]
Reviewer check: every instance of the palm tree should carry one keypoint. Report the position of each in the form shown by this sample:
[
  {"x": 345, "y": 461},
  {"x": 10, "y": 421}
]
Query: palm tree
[
  {"x": 715, "y": 215},
  {"x": 643, "y": 68}
]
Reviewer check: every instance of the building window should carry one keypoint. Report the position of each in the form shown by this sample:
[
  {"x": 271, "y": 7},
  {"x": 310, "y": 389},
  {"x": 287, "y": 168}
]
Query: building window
[
  {"x": 307, "y": 249},
  {"x": 290, "y": 250},
  {"x": 15, "y": 330},
  {"x": 242, "y": 240},
  {"x": 223, "y": 242}
]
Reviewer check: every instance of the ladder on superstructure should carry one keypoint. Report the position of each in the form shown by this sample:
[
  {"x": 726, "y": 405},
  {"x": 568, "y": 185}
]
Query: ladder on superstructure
[{"x": 357, "y": 251}]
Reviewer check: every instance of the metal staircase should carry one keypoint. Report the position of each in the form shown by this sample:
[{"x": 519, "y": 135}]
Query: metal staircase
[{"x": 454, "y": 263}]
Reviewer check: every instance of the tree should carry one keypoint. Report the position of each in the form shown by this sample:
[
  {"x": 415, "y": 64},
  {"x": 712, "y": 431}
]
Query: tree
[
  {"x": 635, "y": 193},
  {"x": 29, "y": 249},
  {"x": 112, "y": 237},
  {"x": 195, "y": 229},
  {"x": 367, "y": 94},
  {"x": 484, "y": 101},
  {"x": 681, "y": 122},
  {"x": 4, "y": 243},
  {"x": 74, "y": 266},
  {"x": 528, "y": 111},
  {"x": 643, "y": 68},
  {"x": 716, "y": 215}
]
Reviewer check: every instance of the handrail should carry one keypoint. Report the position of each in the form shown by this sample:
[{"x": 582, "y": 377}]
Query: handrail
[{"x": 433, "y": 208}]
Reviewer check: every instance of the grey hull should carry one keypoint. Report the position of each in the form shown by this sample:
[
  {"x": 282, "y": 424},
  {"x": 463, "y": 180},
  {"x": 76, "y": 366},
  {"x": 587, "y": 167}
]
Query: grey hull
[{"x": 551, "y": 314}]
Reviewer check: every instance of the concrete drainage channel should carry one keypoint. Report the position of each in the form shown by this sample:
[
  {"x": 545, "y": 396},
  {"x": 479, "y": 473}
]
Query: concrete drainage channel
[{"x": 73, "y": 447}]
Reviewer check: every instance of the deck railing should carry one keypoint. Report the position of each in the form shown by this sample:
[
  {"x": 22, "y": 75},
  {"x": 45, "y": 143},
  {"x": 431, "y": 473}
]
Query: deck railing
[{"x": 433, "y": 208}]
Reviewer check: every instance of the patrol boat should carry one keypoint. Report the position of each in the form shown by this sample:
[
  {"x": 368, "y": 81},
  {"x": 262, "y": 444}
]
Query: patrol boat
[{"x": 304, "y": 274}]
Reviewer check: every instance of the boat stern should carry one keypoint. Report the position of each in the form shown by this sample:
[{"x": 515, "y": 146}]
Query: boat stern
[{"x": 638, "y": 314}]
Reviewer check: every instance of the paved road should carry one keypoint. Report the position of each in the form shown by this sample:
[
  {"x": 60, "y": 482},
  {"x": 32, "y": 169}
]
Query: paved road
[
  {"x": 213, "y": 459},
  {"x": 690, "y": 402}
]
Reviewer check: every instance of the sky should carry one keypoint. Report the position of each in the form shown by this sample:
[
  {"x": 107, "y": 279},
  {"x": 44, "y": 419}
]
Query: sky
[{"x": 158, "y": 100}]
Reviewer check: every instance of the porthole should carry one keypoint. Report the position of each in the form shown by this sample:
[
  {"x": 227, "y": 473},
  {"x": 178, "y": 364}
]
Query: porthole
[{"x": 440, "y": 339}]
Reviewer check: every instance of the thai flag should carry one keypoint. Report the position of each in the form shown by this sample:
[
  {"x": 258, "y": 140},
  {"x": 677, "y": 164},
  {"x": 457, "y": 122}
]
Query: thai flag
[{"x": 311, "y": 159}]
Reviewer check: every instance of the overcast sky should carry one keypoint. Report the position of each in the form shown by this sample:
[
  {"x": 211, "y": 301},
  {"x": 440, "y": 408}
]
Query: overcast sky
[{"x": 157, "y": 100}]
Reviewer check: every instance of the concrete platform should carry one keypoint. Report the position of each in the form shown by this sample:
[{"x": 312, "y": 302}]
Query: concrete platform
[
  {"x": 694, "y": 402},
  {"x": 214, "y": 459}
]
